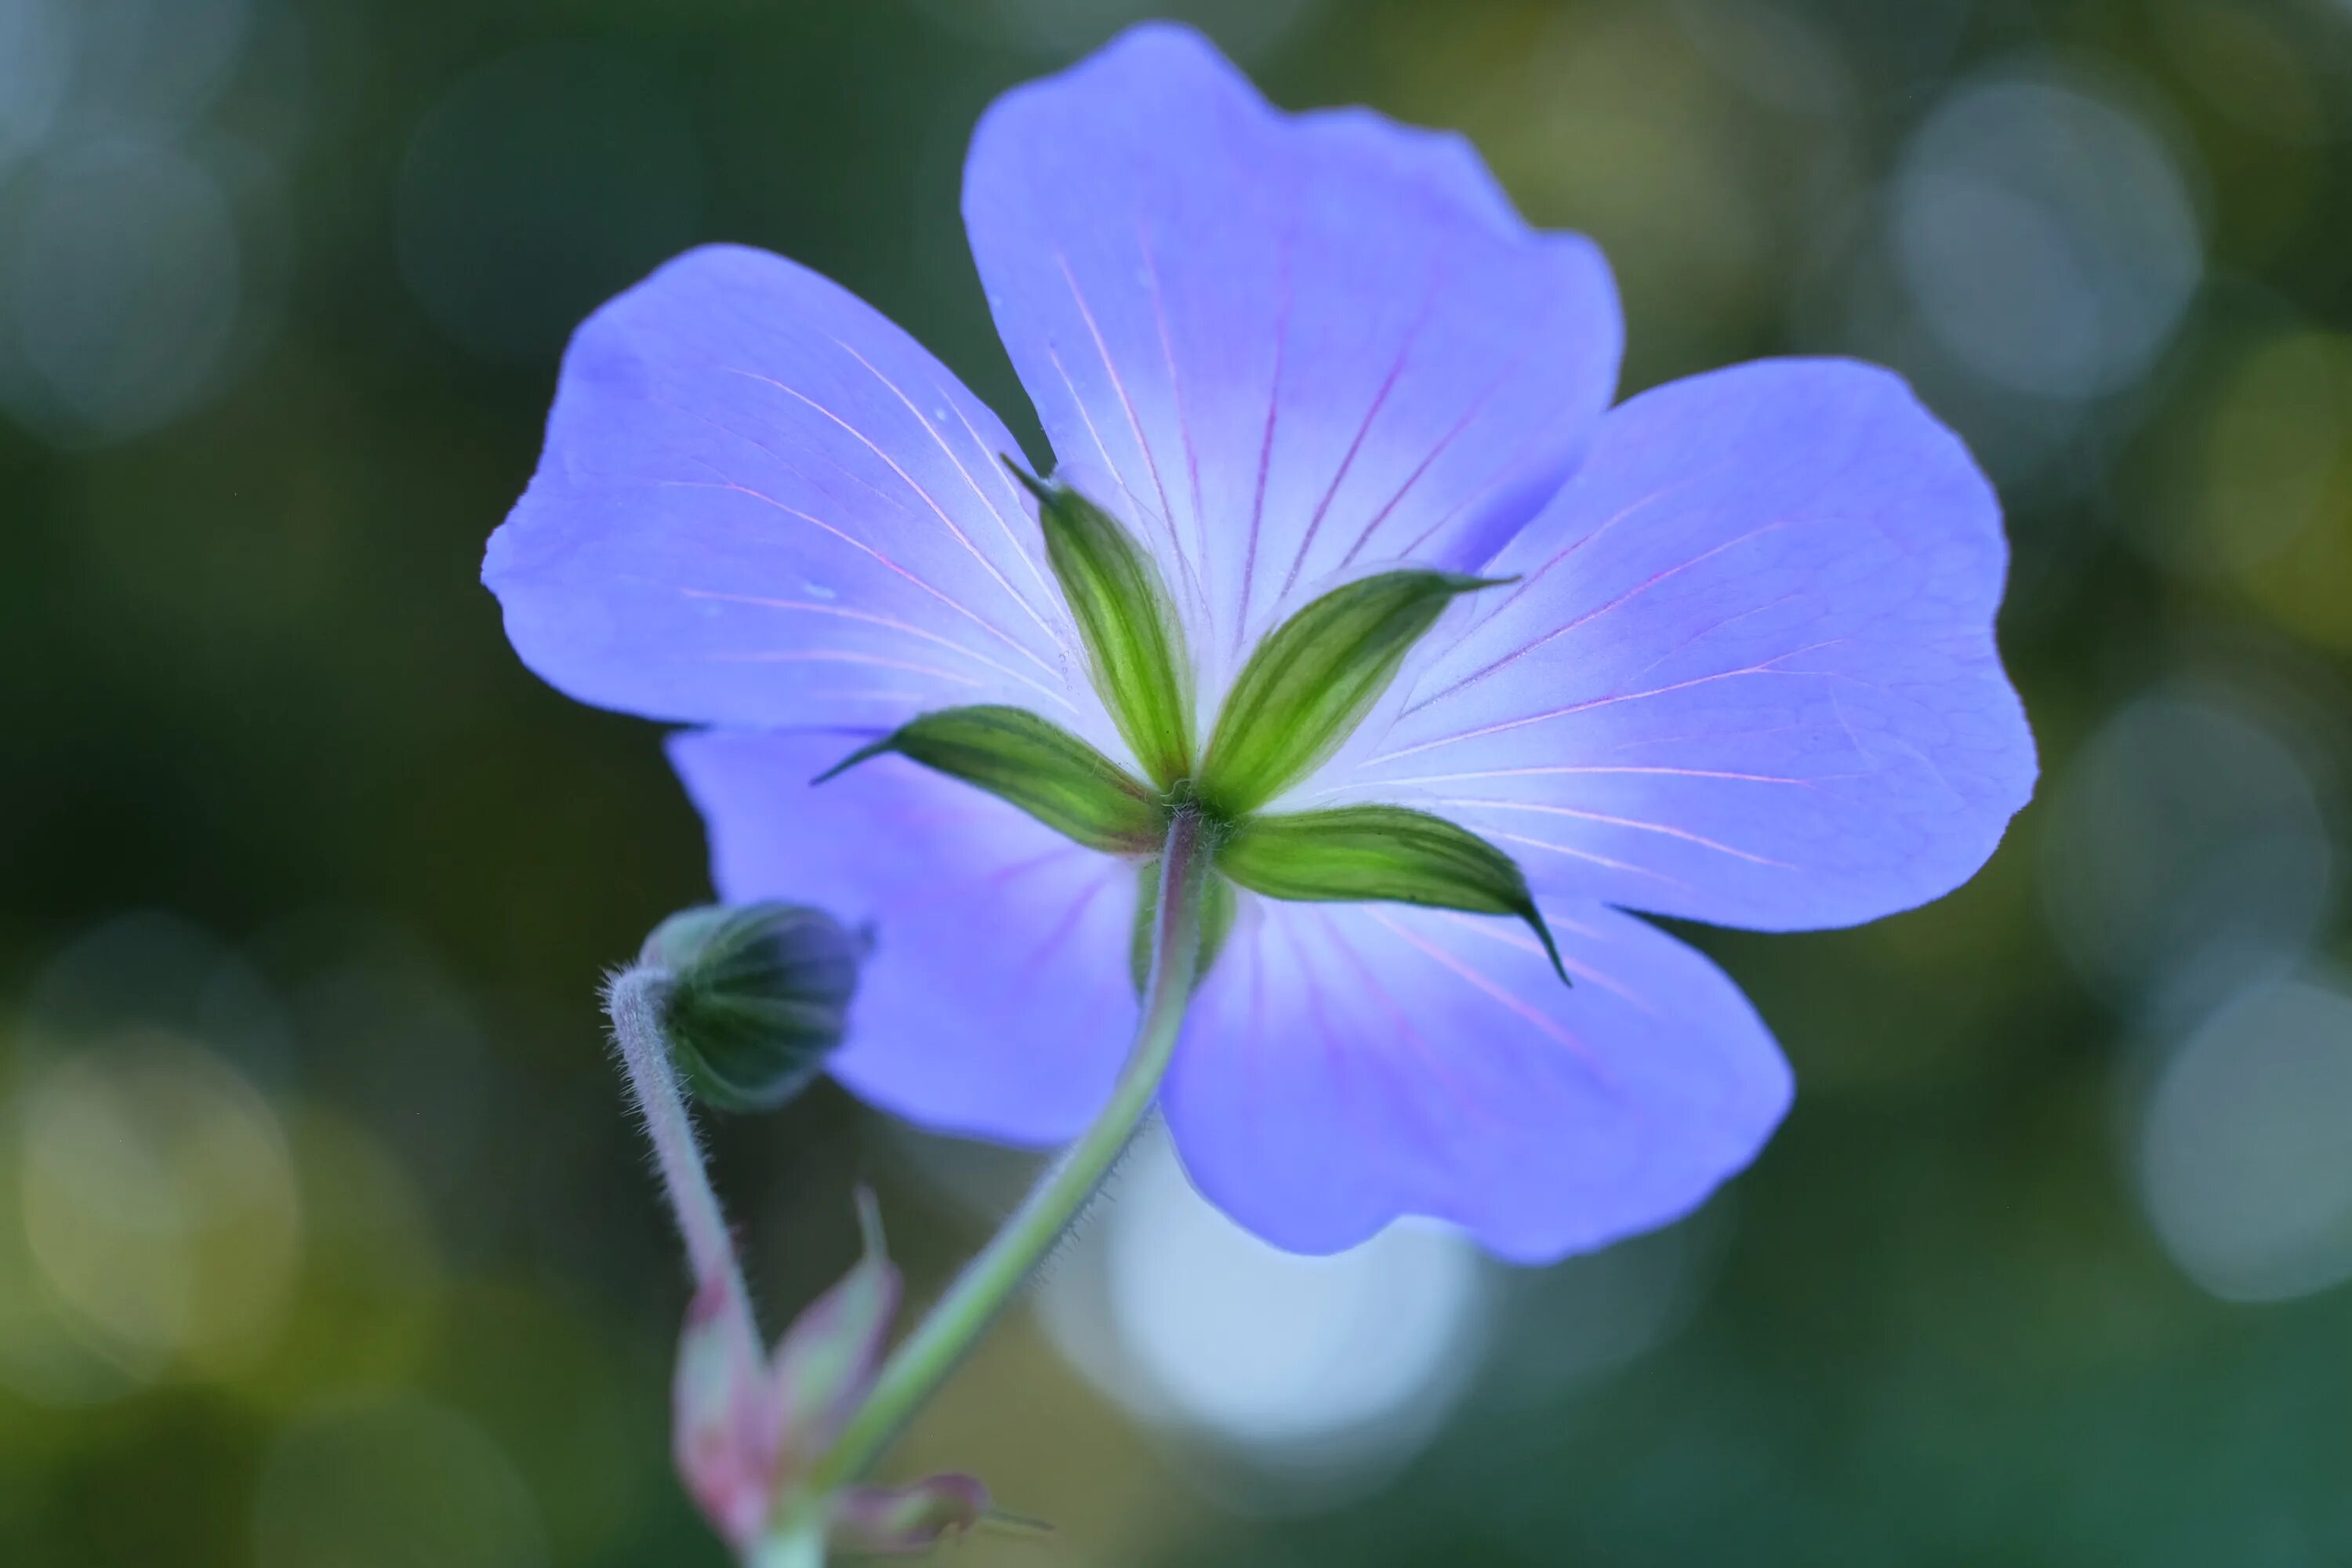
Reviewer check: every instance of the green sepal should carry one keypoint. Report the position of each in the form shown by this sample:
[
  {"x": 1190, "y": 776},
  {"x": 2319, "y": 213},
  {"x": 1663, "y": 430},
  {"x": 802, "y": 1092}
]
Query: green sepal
[
  {"x": 1135, "y": 644},
  {"x": 1386, "y": 854},
  {"x": 1044, "y": 769},
  {"x": 1313, "y": 678},
  {"x": 1217, "y": 909}
]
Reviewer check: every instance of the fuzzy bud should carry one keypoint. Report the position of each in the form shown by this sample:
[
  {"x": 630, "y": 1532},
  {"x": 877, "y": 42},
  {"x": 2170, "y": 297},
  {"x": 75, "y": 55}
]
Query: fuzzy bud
[{"x": 757, "y": 997}]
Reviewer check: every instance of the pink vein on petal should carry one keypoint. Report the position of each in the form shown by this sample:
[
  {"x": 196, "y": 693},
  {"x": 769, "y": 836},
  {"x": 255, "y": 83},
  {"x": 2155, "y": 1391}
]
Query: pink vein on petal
[
  {"x": 1134, "y": 420},
  {"x": 1493, "y": 988},
  {"x": 1645, "y": 741},
  {"x": 1501, "y": 726},
  {"x": 993, "y": 881},
  {"x": 1494, "y": 930},
  {"x": 1019, "y": 496},
  {"x": 889, "y": 623},
  {"x": 1545, "y": 808},
  {"x": 929, "y": 499},
  {"x": 724, "y": 481},
  {"x": 1175, "y": 382},
  {"x": 855, "y": 694},
  {"x": 1469, "y": 416},
  {"x": 1380, "y": 400},
  {"x": 1629, "y": 595},
  {"x": 1430, "y": 1057},
  {"x": 1265, "y": 440},
  {"x": 1334, "y": 1058},
  {"x": 841, "y": 656},
  {"x": 1586, "y": 855},
  {"x": 1630, "y": 509},
  {"x": 1058, "y": 936},
  {"x": 1581, "y": 768},
  {"x": 1079, "y": 403},
  {"x": 1351, "y": 1090},
  {"x": 1512, "y": 467},
  {"x": 1002, "y": 521},
  {"x": 860, "y": 545}
]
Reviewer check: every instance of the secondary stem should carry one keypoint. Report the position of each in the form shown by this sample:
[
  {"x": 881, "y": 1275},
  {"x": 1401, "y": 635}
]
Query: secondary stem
[
  {"x": 635, "y": 1001},
  {"x": 981, "y": 1291}
]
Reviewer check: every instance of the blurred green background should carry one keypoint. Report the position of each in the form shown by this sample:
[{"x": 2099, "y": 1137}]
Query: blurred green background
[{"x": 323, "y": 1239}]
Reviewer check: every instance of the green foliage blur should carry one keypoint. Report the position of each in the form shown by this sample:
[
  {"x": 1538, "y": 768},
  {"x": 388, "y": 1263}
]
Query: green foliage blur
[{"x": 323, "y": 1238}]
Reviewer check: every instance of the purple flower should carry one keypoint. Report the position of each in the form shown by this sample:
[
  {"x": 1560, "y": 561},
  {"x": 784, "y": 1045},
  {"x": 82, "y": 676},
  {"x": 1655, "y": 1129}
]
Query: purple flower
[{"x": 1745, "y": 674}]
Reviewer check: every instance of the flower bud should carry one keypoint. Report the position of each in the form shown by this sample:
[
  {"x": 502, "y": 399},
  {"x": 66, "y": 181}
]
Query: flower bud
[{"x": 758, "y": 997}]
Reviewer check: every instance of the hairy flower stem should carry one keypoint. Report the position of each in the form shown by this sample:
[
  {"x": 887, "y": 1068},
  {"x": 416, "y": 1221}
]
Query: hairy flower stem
[
  {"x": 633, "y": 1002},
  {"x": 924, "y": 1360}
]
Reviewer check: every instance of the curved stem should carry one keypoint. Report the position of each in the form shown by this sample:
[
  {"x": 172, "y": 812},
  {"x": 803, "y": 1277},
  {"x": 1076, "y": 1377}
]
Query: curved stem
[
  {"x": 633, "y": 1002},
  {"x": 914, "y": 1370}
]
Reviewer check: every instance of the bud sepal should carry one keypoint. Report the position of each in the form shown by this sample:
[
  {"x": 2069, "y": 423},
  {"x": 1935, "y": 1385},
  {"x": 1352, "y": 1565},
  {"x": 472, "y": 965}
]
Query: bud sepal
[{"x": 757, "y": 997}]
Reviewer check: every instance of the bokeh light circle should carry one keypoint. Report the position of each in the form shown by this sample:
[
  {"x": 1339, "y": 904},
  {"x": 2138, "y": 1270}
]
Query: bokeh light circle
[
  {"x": 159, "y": 1206},
  {"x": 2044, "y": 235},
  {"x": 121, "y": 276},
  {"x": 35, "y": 57},
  {"x": 2185, "y": 854},
  {"x": 1779, "y": 56},
  {"x": 1315, "y": 1369},
  {"x": 2255, "y": 483},
  {"x": 150, "y": 971},
  {"x": 154, "y": 63},
  {"x": 2272, "y": 458},
  {"x": 2245, "y": 1151},
  {"x": 1586, "y": 1318}
]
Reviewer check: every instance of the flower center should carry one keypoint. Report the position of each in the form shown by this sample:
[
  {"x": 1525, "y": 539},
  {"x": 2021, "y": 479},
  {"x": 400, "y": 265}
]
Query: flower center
[{"x": 1302, "y": 693}]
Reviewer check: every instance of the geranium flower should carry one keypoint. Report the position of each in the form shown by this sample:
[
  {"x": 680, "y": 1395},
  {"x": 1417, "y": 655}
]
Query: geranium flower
[{"x": 1732, "y": 659}]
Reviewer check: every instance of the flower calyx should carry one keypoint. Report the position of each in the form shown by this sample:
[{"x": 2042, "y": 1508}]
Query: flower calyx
[
  {"x": 1304, "y": 689},
  {"x": 1313, "y": 678}
]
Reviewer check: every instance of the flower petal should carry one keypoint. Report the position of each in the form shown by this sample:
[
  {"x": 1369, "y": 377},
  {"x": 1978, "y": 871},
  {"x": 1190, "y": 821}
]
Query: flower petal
[
  {"x": 996, "y": 1002},
  {"x": 1748, "y": 675},
  {"x": 1295, "y": 345},
  {"x": 1346, "y": 1065},
  {"x": 761, "y": 503}
]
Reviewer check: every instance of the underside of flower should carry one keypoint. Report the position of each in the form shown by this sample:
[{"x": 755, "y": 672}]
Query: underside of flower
[
  {"x": 1300, "y": 696},
  {"x": 1347, "y": 555},
  {"x": 1492, "y": 664}
]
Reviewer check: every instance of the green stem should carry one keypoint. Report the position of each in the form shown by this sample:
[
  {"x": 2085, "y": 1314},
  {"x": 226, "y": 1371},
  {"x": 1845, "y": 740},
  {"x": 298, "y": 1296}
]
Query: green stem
[
  {"x": 925, "y": 1358},
  {"x": 634, "y": 1001}
]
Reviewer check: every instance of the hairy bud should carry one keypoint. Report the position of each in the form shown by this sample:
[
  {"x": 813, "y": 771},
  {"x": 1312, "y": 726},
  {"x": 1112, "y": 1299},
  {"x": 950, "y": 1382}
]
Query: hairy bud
[{"x": 757, "y": 997}]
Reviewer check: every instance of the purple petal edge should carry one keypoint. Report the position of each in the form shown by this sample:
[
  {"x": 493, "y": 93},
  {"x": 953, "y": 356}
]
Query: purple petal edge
[
  {"x": 1748, "y": 673},
  {"x": 1290, "y": 347}
]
